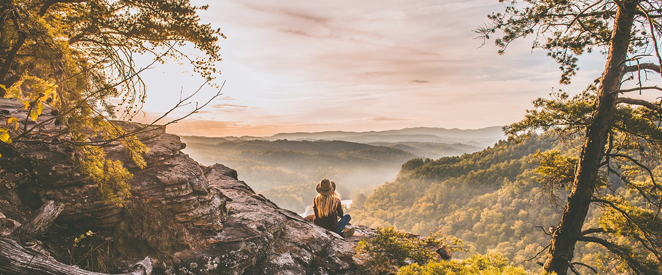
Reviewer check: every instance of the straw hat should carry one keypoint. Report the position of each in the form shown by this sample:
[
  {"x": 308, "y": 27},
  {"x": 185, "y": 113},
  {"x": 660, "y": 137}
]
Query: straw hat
[{"x": 326, "y": 187}]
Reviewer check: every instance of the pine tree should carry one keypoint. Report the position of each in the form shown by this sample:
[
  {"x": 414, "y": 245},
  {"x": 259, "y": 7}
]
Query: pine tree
[{"x": 621, "y": 134}]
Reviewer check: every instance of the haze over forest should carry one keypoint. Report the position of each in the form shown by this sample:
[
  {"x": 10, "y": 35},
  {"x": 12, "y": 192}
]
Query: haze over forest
[{"x": 285, "y": 167}]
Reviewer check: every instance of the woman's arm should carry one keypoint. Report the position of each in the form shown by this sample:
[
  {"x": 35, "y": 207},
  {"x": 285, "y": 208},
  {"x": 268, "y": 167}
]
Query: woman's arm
[
  {"x": 339, "y": 209},
  {"x": 315, "y": 209}
]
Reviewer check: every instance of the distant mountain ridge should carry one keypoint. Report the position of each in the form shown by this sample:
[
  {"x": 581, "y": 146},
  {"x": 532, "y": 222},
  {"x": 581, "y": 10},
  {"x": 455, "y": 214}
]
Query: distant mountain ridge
[
  {"x": 481, "y": 137},
  {"x": 426, "y": 142},
  {"x": 417, "y": 134},
  {"x": 285, "y": 166}
]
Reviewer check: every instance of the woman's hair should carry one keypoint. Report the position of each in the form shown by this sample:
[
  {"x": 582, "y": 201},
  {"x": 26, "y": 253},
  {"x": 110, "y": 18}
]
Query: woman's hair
[{"x": 326, "y": 204}]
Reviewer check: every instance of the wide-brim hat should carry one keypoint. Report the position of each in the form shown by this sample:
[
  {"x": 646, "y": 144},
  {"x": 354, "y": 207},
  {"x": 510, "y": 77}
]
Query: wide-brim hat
[{"x": 326, "y": 187}]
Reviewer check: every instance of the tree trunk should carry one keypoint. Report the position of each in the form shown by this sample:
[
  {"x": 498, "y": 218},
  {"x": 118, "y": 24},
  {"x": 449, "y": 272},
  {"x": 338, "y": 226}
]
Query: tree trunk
[
  {"x": 566, "y": 235},
  {"x": 4, "y": 70}
]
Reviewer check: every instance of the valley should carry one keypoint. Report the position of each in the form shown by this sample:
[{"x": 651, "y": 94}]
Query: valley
[{"x": 286, "y": 167}]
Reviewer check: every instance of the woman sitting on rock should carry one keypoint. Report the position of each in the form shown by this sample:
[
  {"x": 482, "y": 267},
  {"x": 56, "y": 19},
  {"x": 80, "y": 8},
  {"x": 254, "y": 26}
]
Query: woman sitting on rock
[{"x": 328, "y": 209}]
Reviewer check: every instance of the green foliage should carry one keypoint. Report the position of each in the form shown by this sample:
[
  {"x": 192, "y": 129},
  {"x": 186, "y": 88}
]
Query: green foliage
[
  {"x": 564, "y": 115},
  {"x": 556, "y": 173},
  {"x": 417, "y": 194},
  {"x": 82, "y": 237},
  {"x": 632, "y": 153},
  {"x": 498, "y": 206},
  {"x": 295, "y": 197},
  {"x": 359, "y": 200},
  {"x": 78, "y": 57},
  {"x": 110, "y": 176},
  {"x": 414, "y": 164},
  {"x": 488, "y": 264},
  {"x": 554, "y": 168},
  {"x": 392, "y": 248},
  {"x": 619, "y": 134},
  {"x": 637, "y": 233}
]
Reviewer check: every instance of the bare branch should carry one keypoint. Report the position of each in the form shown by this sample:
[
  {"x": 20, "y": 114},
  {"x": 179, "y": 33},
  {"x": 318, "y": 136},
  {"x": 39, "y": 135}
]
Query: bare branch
[
  {"x": 179, "y": 104},
  {"x": 582, "y": 12},
  {"x": 643, "y": 66},
  {"x": 143, "y": 129},
  {"x": 544, "y": 231},
  {"x": 650, "y": 173},
  {"x": 617, "y": 250},
  {"x": 542, "y": 250},
  {"x": 587, "y": 266},
  {"x": 627, "y": 216},
  {"x": 627, "y": 181},
  {"x": 22, "y": 35},
  {"x": 573, "y": 269},
  {"x": 593, "y": 230},
  {"x": 198, "y": 108},
  {"x": 652, "y": 30},
  {"x": 84, "y": 100},
  {"x": 640, "y": 102},
  {"x": 638, "y": 89}
]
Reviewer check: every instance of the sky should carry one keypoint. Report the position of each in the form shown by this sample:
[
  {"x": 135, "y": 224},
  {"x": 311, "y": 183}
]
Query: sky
[{"x": 309, "y": 66}]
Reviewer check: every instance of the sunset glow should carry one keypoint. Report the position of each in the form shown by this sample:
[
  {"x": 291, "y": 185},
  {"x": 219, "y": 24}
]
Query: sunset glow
[{"x": 374, "y": 65}]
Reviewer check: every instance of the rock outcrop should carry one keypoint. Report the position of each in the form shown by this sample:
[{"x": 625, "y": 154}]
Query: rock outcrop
[{"x": 189, "y": 219}]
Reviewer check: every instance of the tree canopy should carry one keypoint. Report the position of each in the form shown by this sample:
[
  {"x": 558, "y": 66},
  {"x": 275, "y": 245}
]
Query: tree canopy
[
  {"x": 79, "y": 57},
  {"x": 621, "y": 135}
]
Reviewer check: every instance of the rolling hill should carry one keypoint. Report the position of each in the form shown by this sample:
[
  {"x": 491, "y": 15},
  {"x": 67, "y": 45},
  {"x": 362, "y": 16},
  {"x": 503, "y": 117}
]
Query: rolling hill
[{"x": 287, "y": 166}]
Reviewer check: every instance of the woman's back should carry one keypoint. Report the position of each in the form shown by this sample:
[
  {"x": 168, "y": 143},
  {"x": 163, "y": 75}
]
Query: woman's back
[{"x": 327, "y": 209}]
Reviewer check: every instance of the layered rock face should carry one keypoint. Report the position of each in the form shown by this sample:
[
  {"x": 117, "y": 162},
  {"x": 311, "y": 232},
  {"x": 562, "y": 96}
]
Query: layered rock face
[{"x": 187, "y": 218}]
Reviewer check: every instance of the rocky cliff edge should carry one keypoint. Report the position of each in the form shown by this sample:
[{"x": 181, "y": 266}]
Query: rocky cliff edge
[{"x": 187, "y": 218}]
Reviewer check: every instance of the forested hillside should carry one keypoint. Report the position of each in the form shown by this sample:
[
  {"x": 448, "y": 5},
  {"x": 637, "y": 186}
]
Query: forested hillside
[
  {"x": 491, "y": 198},
  {"x": 287, "y": 171}
]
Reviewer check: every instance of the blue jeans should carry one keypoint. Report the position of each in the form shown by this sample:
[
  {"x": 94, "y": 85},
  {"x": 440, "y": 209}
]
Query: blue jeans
[{"x": 342, "y": 223}]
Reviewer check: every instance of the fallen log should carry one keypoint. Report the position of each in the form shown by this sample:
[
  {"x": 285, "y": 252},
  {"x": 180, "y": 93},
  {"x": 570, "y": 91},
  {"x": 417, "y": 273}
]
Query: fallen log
[
  {"x": 17, "y": 260},
  {"x": 39, "y": 223}
]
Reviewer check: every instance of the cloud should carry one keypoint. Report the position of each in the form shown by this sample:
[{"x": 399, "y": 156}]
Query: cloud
[
  {"x": 287, "y": 12},
  {"x": 297, "y": 32},
  {"x": 205, "y": 128},
  {"x": 387, "y": 119},
  {"x": 227, "y": 97},
  {"x": 227, "y": 105},
  {"x": 364, "y": 65}
]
